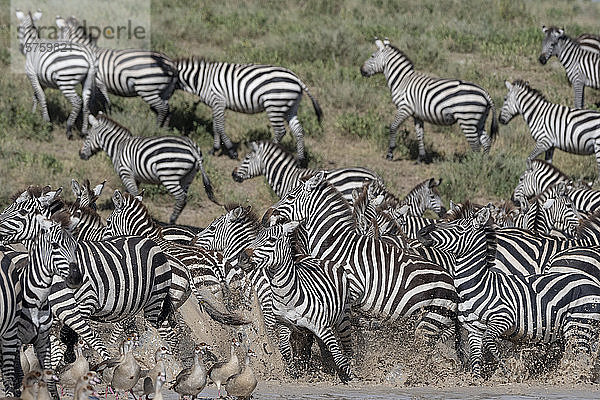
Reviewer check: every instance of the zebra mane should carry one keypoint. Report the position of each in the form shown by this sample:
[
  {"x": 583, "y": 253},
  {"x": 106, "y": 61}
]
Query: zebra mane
[
  {"x": 541, "y": 164},
  {"x": 403, "y": 54},
  {"x": 129, "y": 198},
  {"x": 90, "y": 212},
  {"x": 591, "y": 223},
  {"x": 63, "y": 217},
  {"x": 465, "y": 210},
  {"x": 525, "y": 85},
  {"x": 103, "y": 118},
  {"x": 251, "y": 216},
  {"x": 34, "y": 191}
]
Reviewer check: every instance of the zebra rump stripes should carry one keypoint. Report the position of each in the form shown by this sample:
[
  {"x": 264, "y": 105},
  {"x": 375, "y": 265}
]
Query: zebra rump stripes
[
  {"x": 249, "y": 89},
  {"x": 434, "y": 100}
]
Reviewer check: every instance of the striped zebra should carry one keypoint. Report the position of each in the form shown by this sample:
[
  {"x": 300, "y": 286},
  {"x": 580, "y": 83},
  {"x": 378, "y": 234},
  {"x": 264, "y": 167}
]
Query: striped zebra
[
  {"x": 552, "y": 125},
  {"x": 249, "y": 89},
  {"x": 111, "y": 269},
  {"x": 380, "y": 274},
  {"x": 85, "y": 196},
  {"x": 581, "y": 65},
  {"x": 307, "y": 293},
  {"x": 428, "y": 99},
  {"x": 172, "y": 161},
  {"x": 282, "y": 173},
  {"x": 589, "y": 42},
  {"x": 181, "y": 234},
  {"x": 539, "y": 308},
  {"x": 57, "y": 65},
  {"x": 130, "y": 72}
]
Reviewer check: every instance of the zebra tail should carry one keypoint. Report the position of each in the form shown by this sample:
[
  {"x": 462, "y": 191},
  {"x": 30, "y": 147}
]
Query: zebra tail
[
  {"x": 211, "y": 305},
  {"x": 315, "y": 104},
  {"x": 494, "y": 125},
  {"x": 206, "y": 182}
]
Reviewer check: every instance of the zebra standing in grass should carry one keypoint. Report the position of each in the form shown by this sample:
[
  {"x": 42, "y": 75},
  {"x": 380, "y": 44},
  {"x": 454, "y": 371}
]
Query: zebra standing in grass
[
  {"x": 282, "y": 174},
  {"x": 128, "y": 73},
  {"x": 57, "y": 65},
  {"x": 249, "y": 89},
  {"x": 380, "y": 274},
  {"x": 552, "y": 125},
  {"x": 434, "y": 100},
  {"x": 172, "y": 161},
  {"x": 582, "y": 66},
  {"x": 307, "y": 293},
  {"x": 540, "y": 308}
]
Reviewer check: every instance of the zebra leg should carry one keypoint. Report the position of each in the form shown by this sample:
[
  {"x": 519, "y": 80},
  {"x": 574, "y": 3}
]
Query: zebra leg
[
  {"x": 35, "y": 101},
  {"x": 180, "y": 195},
  {"x": 327, "y": 336},
  {"x": 38, "y": 92},
  {"x": 298, "y": 132},
  {"x": 285, "y": 347},
  {"x": 578, "y": 88},
  {"x": 160, "y": 106},
  {"x": 344, "y": 330},
  {"x": 597, "y": 153},
  {"x": 420, "y": 138},
  {"x": 10, "y": 349},
  {"x": 76, "y": 103},
  {"x": 489, "y": 342},
  {"x": 218, "y": 110},
  {"x": 539, "y": 148},
  {"x": 400, "y": 117},
  {"x": 129, "y": 182},
  {"x": 475, "y": 352},
  {"x": 549, "y": 155}
]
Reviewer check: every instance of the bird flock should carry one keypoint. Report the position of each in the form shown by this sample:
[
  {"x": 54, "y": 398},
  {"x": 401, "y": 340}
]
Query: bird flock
[{"x": 337, "y": 243}]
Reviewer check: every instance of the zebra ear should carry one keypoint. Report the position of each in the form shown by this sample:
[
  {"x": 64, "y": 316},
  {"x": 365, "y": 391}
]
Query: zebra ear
[
  {"x": 290, "y": 227},
  {"x": 386, "y": 42},
  {"x": 236, "y": 214},
  {"x": 544, "y": 29},
  {"x": 47, "y": 198},
  {"x": 561, "y": 32},
  {"x": 452, "y": 206},
  {"x": 117, "y": 199},
  {"x": 20, "y": 15},
  {"x": 44, "y": 222},
  {"x": 379, "y": 44},
  {"x": 36, "y": 15},
  {"x": 548, "y": 204},
  {"x": 403, "y": 210},
  {"x": 140, "y": 196},
  {"x": 354, "y": 195},
  {"x": 98, "y": 189},
  {"x": 482, "y": 217},
  {"x": 378, "y": 200},
  {"x": 315, "y": 181},
  {"x": 60, "y": 22},
  {"x": 508, "y": 85},
  {"x": 93, "y": 120},
  {"x": 76, "y": 188},
  {"x": 254, "y": 146}
]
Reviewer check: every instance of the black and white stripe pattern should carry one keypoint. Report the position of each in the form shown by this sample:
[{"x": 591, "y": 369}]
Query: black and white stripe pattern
[
  {"x": 552, "y": 125},
  {"x": 582, "y": 66},
  {"x": 541, "y": 308},
  {"x": 282, "y": 174},
  {"x": 428, "y": 99},
  {"x": 172, "y": 161},
  {"x": 307, "y": 293},
  {"x": 57, "y": 65},
  {"x": 130, "y": 72},
  {"x": 589, "y": 42},
  {"x": 379, "y": 273},
  {"x": 249, "y": 89}
]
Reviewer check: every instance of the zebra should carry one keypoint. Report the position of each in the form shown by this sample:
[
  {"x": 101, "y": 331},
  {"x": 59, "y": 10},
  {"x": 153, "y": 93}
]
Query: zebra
[
  {"x": 580, "y": 64},
  {"x": 379, "y": 273},
  {"x": 111, "y": 268},
  {"x": 552, "y": 125},
  {"x": 85, "y": 196},
  {"x": 539, "y": 308},
  {"x": 434, "y": 100},
  {"x": 282, "y": 174},
  {"x": 308, "y": 293},
  {"x": 128, "y": 73},
  {"x": 249, "y": 89},
  {"x": 181, "y": 234},
  {"x": 172, "y": 161},
  {"x": 589, "y": 42},
  {"x": 57, "y": 65}
]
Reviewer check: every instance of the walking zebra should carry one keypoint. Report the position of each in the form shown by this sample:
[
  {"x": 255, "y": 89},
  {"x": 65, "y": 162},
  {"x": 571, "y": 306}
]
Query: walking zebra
[
  {"x": 380, "y": 274},
  {"x": 249, "y": 89},
  {"x": 552, "y": 125},
  {"x": 57, "y": 65},
  {"x": 540, "y": 308},
  {"x": 582, "y": 66},
  {"x": 128, "y": 73},
  {"x": 172, "y": 161},
  {"x": 308, "y": 293},
  {"x": 282, "y": 174},
  {"x": 434, "y": 100}
]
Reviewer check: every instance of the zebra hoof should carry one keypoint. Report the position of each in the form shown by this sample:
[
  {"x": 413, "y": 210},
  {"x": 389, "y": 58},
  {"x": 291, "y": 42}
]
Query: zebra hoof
[
  {"x": 232, "y": 154},
  {"x": 213, "y": 151},
  {"x": 389, "y": 156}
]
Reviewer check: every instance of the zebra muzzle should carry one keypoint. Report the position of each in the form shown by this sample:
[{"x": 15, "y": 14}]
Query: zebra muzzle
[
  {"x": 236, "y": 177},
  {"x": 245, "y": 260},
  {"x": 543, "y": 59},
  {"x": 75, "y": 279}
]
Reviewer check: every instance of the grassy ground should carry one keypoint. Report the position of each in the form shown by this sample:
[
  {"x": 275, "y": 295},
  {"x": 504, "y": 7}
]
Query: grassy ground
[{"x": 325, "y": 42}]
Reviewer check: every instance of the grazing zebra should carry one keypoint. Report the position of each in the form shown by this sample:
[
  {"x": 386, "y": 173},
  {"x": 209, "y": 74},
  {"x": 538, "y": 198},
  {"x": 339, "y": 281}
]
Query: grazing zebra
[
  {"x": 539, "y": 308},
  {"x": 434, "y": 100},
  {"x": 111, "y": 270},
  {"x": 380, "y": 274},
  {"x": 57, "y": 65},
  {"x": 307, "y": 293},
  {"x": 581, "y": 65},
  {"x": 128, "y": 73},
  {"x": 282, "y": 174},
  {"x": 172, "y": 161},
  {"x": 552, "y": 125},
  {"x": 249, "y": 89}
]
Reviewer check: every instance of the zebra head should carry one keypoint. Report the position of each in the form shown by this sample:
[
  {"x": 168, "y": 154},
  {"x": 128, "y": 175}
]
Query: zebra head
[
  {"x": 552, "y": 36},
  {"x": 271, "y": 249},
  {"x": 510, "y": 108},
  {"x": 70, "y": 29},
  {"x": 129, "y": 218},
  {"x": 457, "y": 236},
  {"x": 425, "y": 196},
  {"x": 561, "y": 215},
  {"x": 236, "y": 223},
  {"x": 94, "y": 140},
  {"x": 54, "y": 251},
  {"x": 298, "y": 203},
  {"x": 527, "y": 186},
  {"x": 376, "y": 63},
  {"x": 84, "y": 194},
  {"x": 17, "y": 221},
  {"x": 252, "y": 165},
  {"x": 26, "y": 30}
]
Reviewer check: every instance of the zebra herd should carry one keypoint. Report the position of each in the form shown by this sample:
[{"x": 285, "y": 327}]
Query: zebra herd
[{"x": 338, "y": 242}]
